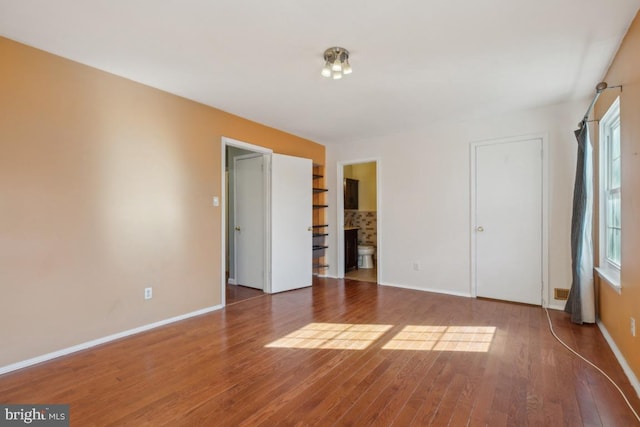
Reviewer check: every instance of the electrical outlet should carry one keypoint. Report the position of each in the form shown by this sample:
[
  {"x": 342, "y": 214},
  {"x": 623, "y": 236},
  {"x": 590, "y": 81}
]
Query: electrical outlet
[
  {"x": 148, "y": 293},
  {"x": 416, "y": 266},
  {"x": 633, "y": 327}
]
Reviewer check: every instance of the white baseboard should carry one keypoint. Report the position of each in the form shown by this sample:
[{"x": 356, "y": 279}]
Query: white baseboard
[
  {"x": 623, "y": 362},
  {"x": 556, "y": 307},
  {"x": 231, "y": 281},
  {"x": 103, "y": 340},
  {"x": 437, "y": 291}
]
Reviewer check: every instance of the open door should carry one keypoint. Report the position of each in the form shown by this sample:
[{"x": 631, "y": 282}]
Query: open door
[{"x": 291, "y": 219}]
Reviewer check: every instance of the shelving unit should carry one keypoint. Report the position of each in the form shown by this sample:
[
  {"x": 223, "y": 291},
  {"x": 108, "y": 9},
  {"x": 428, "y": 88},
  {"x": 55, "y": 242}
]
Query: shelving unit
[{"x": 319, "y": 221}]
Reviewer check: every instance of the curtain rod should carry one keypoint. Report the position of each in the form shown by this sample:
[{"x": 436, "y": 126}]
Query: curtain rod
[{"x": 600, "y": 87}]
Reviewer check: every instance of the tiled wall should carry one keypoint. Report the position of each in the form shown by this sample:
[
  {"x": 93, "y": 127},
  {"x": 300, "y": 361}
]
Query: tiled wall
[{"x": 366, "y": 221}]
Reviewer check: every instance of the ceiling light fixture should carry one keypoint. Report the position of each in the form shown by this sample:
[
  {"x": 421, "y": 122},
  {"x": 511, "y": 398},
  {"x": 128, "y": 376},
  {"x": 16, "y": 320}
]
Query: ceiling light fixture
[{"x": 336, "y": 63}]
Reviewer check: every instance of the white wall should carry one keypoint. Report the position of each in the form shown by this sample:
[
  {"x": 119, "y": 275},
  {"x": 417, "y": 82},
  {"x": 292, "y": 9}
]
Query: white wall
[{"x": 425, "y": 193}]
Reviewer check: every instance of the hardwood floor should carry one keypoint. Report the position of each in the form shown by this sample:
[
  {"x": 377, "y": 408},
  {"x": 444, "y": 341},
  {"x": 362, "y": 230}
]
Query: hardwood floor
[
  {"x": 340, "y": 353},
  {"x": 237, "y": 293}
]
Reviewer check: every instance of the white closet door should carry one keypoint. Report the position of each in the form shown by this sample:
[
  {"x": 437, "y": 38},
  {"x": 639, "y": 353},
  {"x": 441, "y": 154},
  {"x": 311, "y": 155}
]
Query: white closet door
[
  {"x": 508, "y": 221},
  {"x": 249, "y": 221}
]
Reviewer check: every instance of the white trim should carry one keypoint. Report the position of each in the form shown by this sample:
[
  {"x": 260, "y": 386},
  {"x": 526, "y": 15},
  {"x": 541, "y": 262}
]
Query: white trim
[
  {"x": 544, "y": 137},
  {"x": 611, "y": 277},
  {"x": 611, "y": 117},
  {"x": 340, "y": 214},
  {"x": 245, "y": 145},
  {"x": 546, "y": 297},
  {"x": 103, "y": 340},
  {"x": 623, "y": 362},
  {"x": 340, "y": 220},
  {"x": 472, "y": 221},
  {"x": 223, "y": 203},
  {"x": 266, "y": 189},
  {"x": 436, "y": 291},
  {"x": 556, "y": 306},
  {"x": 379, "y": 218}
]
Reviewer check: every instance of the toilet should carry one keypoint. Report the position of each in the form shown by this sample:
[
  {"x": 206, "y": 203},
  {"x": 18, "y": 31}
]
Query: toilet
[{"x": 365, "y": 256}]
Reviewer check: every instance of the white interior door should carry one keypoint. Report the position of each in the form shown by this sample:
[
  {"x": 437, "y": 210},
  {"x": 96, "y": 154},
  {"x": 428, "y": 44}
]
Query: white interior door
[
  {"x": 508, "y": 222},
  {"x": 249, "y": 221},
  {"x": 291, "y": 219}
]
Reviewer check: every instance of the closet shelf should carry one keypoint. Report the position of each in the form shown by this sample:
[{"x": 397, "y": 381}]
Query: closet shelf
[{"x": 319, "y": 225}]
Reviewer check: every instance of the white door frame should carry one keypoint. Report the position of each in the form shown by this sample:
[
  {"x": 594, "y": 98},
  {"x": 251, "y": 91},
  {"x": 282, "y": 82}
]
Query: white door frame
[
  {"x": 340, "y": 214},
  {"x": 266, "y": 152},
  {"x": 545, "y": 208}
]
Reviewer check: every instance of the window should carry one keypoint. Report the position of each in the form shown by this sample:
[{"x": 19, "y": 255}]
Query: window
[{"x": 610, "y": 197}]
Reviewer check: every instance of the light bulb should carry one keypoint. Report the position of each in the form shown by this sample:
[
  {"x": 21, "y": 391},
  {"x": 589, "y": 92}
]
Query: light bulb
[
  {"x": 326, "y": 71},
  {"x": 336, "y": 63}
]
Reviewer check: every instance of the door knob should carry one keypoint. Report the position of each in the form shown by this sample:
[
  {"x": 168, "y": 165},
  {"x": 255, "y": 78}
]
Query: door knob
[
  {"x": 237, "y": 227},
  {"x": 480, "y": 229}
]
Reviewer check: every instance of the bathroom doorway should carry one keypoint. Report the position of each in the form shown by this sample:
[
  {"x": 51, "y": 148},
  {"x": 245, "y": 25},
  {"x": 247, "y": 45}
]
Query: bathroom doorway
[{"x": 358, "y": 238}]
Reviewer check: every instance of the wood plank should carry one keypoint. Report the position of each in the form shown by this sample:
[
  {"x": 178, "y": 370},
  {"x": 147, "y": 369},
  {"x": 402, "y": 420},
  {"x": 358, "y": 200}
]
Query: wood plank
[
  {"x": 237, "y": 293},
  {"x": 218, "y": 369}
]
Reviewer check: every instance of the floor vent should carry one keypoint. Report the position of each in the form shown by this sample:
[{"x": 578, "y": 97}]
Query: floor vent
[{"x": 561, "y": 294}]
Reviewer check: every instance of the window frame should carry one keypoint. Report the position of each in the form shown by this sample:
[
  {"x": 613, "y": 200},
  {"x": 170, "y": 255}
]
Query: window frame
[{"x": 609, "y": 266}]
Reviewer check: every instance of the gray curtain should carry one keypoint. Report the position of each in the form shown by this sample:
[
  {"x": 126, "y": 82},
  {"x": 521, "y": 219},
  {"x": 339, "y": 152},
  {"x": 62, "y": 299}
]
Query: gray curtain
[{"x": 574, "y": 303}]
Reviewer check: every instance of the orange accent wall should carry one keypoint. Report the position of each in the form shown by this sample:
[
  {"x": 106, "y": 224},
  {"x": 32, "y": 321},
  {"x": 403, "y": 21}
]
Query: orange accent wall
[
  {"x": 106, "y": 188},
  {"x": 615, "y": 310}
]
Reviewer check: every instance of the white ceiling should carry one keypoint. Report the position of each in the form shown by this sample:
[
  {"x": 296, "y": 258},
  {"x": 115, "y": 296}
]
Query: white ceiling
[{"x": 414, "y": 61}]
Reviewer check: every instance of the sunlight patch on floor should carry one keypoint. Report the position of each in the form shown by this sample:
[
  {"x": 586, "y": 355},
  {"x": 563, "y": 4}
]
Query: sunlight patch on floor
[
  {"x": 337, "y": 336},
  {"x": 443, "y": 338}
]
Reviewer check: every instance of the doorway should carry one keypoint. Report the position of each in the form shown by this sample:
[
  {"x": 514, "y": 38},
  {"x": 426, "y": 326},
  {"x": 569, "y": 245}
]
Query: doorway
[
  {"x": 245, "y": 185},
  {"x": 509, "y": 220},
  {"x": 272, "y": 251},
  {"x": 359, "y": 250}
]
